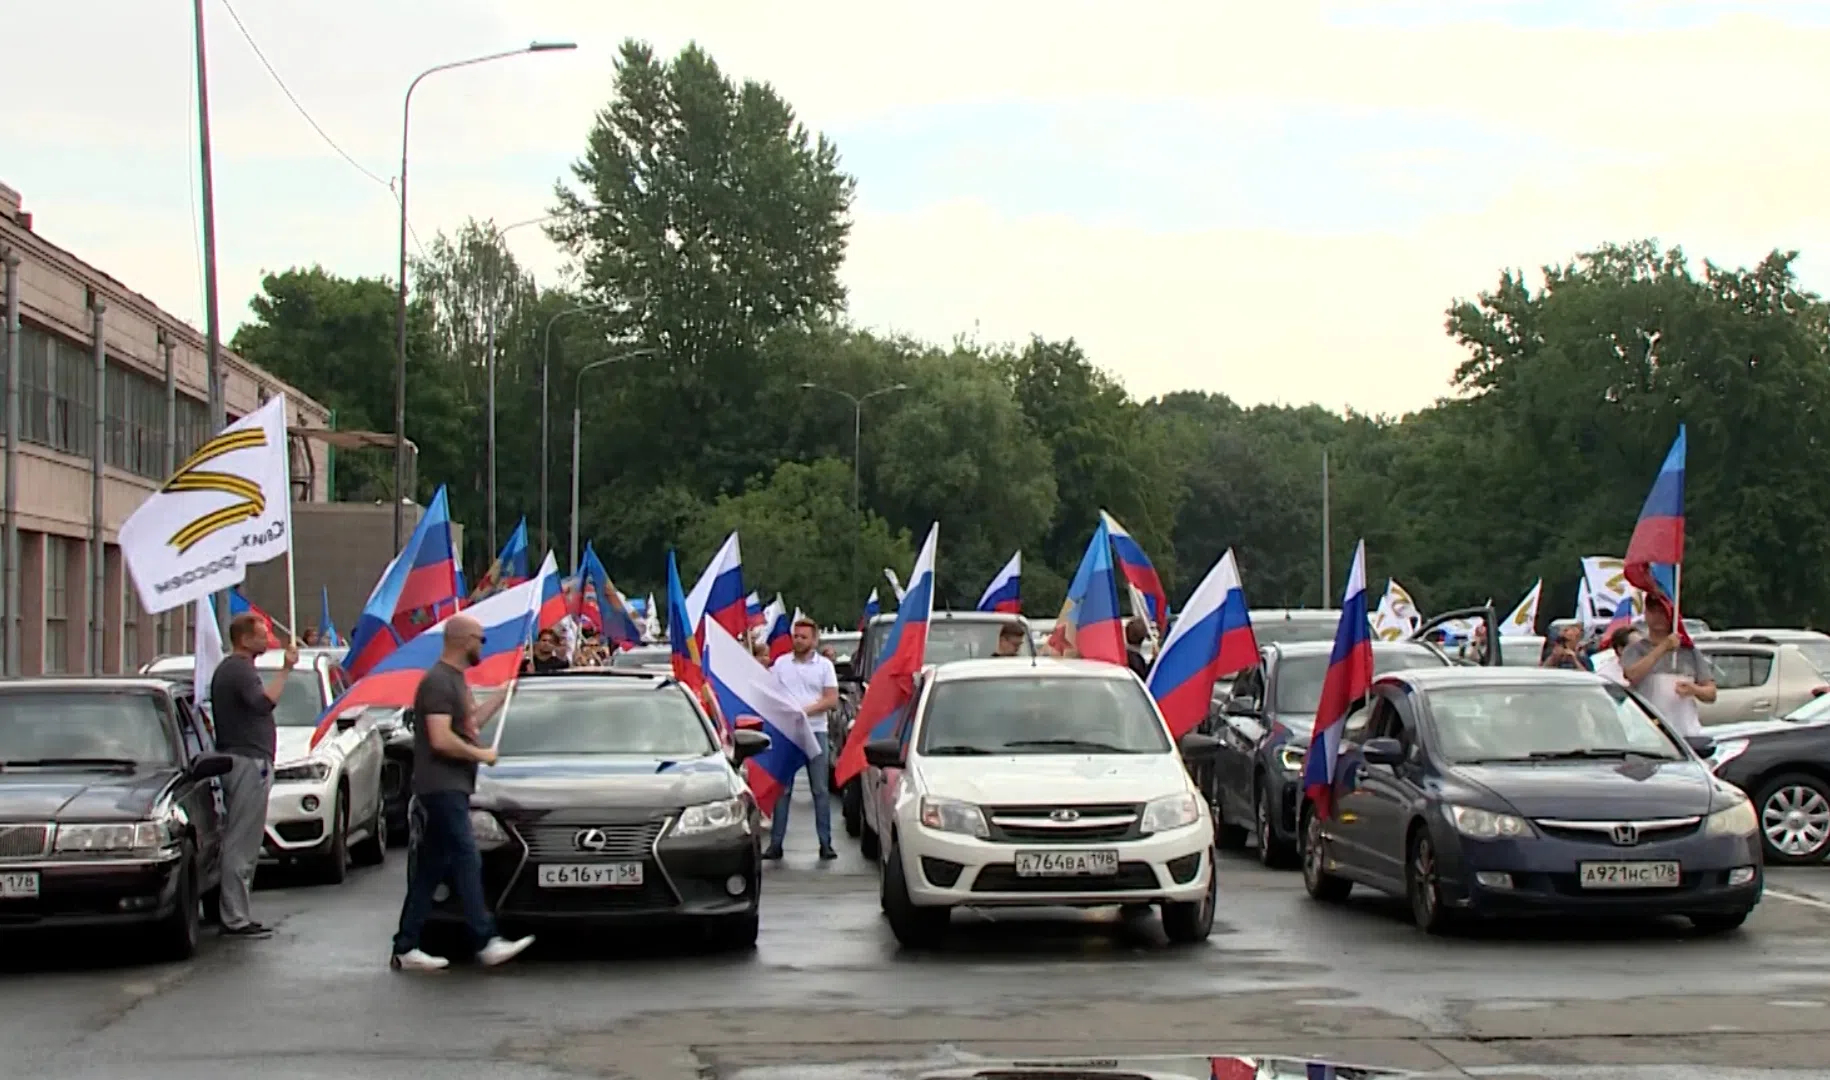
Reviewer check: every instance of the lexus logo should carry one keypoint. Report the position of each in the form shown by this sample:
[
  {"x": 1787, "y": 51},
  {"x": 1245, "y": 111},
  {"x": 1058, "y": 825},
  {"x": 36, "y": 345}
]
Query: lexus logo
[
  {"x": 1625, "y": 835},
  {"x": 1064, "y": 815},
  {"x": 590, "y": 840}
]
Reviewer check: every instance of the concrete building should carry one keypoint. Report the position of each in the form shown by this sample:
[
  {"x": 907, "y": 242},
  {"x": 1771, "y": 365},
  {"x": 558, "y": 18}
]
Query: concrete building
[{"x": 155, "y": 398}]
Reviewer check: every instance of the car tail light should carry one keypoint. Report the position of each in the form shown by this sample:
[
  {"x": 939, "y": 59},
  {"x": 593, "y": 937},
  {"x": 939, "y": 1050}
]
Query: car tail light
[{"x": 1820, "y": 691}]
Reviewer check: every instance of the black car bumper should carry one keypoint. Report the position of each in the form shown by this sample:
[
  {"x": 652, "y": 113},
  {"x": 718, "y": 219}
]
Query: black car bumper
[
  {"x": 93, "y": 895},
  {"x": 1541, "y": 876}
]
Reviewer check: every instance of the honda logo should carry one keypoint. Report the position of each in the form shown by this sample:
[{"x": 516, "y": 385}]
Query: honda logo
[
  {"x": 1064, "y": 815},
  {"x": 590, "y": 840},
  {"x": 1625, "y": 835}
]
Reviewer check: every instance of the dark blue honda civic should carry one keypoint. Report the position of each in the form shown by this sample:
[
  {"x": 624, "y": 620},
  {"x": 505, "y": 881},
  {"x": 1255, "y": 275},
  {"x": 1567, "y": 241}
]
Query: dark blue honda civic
[{"x": 1521, "y": 791}]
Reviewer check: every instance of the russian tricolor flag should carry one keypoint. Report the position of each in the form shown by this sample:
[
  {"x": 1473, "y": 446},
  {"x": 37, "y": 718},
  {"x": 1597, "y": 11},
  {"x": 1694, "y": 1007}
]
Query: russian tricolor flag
[
  {"x": 904, "y": 651},
  {"x": 719, "y": 594},
  {"x": 241, "y": 605},
  {"x": 555, "y": 602},
  {"x": 685, "y": 658},
  {"x": 1135, "y": 565},
  {"x": 1095, "y": 627},
  {"x": 755, "y": 613},
  {"x": 743, "y": 689},
  {"x": 1212, "y": 638},
  {"x": 1623, "y": 617},
  {"x": 1349, "y": 678},
  {"x": 1004, "y": 594},
  {"x": 1656, "y": 551},
  {"x": 508, "y": 620},
  {"x": 872, "y": 608},
  {"x": 780, "y": 632}
]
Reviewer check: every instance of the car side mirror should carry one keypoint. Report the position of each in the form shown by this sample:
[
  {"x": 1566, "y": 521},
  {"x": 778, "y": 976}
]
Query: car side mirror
[
  {"x": 747, "y": 723},
  {"x": 1196, "y": 747},
  {"x": 1243, "y": 705},
  {"x": 747, "y": 743},
  {"x": 884, "y": 753},
  {"x": 1383, "y": 751},
  {"x": 1703, "y": 745},
  {"x": 206, "y": 766}
]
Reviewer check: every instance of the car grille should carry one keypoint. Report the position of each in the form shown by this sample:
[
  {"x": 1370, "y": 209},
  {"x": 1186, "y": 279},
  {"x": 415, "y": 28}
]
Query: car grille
[
  {"x": 1603, "y": 833},
  {"x": 623, "y": 842},
  {"x": 1131, "y": 877},
  {"x": 23, "y": 841},
  {"x": 1044, "y": 825}
]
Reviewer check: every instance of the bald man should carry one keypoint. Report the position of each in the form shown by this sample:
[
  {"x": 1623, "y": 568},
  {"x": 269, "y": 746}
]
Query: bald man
[{"x": 446, "y": 720}]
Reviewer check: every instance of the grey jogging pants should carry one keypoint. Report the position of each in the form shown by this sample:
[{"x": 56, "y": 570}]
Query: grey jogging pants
[{"x": 244, "y": 793}]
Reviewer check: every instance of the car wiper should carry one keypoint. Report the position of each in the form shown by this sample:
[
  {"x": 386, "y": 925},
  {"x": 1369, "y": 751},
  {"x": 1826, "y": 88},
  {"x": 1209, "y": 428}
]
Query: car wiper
[
  {"x": 954, "y": 750},
  {"x": 55, "y": 762},
  {"x": 1586, "y": 752},
  {"x": 1070, "y": 744}
]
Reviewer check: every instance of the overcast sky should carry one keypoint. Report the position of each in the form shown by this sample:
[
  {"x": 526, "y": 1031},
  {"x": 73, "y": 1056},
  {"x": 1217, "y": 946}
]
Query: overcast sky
[{"x": 1276, "y": 200}]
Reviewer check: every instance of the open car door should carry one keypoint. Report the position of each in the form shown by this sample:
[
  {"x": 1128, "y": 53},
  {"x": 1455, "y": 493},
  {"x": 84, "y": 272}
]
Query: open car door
[{"x": 1487, "y": 655}]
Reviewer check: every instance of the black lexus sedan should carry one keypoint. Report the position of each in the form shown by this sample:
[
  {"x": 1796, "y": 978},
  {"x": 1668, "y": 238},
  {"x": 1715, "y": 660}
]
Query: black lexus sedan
[
  {"x": 612, "y": 803},
  {"x": 1515, "y": 791},
  {"x": 108, "y": 817},
  {"x": 1784, "y": 766}
]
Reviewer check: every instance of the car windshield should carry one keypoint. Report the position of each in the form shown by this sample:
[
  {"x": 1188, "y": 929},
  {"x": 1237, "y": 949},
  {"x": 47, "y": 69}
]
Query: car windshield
[
  {"x": 641, "y": 656},
  {"x": 71, "y": 725},
  {"x": 1546, "y": 722},
  {"x": 1041, "y": 714},
  {"x": 643, "y": 717},
  {"x": 1521, "y": 651},
  {"x": 957, "y": 639},
  {"x": 1299, "y": 678},
  {"x": 1816, "y": 650},
  {"x": 301, "y": 702},
  {"x": 1273, "y": 630}
]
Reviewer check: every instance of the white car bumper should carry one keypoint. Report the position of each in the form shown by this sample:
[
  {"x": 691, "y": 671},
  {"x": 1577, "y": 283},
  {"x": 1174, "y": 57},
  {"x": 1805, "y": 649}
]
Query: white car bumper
[
  {"x": 299, "y": 817},
  {"x": 1173, "y": 866}
]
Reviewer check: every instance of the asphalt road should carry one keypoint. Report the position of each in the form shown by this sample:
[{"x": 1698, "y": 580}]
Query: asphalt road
[{"x": 827, "y": 995}]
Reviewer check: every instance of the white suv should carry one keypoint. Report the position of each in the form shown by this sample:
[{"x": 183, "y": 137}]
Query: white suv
[{"x": 1018, "y": 782}]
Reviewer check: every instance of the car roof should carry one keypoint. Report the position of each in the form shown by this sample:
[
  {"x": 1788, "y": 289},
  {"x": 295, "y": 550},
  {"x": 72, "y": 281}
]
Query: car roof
[
  {"x": 271, "y": 660},
  {"x": 1460, "y": 676},
  {"x": 1323, "y": 648},
  {"x": 598, "y": 678},
  {"x": 1015, "y": 667},
  {"x": 954, "y": 616},
  {"x": 95, "y": 682},
  {"x": 1295, "y": 614}
]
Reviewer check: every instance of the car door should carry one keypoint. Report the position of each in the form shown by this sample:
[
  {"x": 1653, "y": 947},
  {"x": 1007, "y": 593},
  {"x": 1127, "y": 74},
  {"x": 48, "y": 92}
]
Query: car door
[
  {"x": 888, "y": 782},
  {"x": 1386, "y": 792},
  {"x": 202, "y": 802},
  {"x": 1745, "y": 684},
  {"x": 1351, "y": 827},
  {"x": 1239, "y": 729}
]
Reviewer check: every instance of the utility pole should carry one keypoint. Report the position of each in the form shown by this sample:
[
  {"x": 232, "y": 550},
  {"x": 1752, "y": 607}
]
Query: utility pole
[
  {"x": 1327, "y": 539},
  {"x": 212, "y": 327}
]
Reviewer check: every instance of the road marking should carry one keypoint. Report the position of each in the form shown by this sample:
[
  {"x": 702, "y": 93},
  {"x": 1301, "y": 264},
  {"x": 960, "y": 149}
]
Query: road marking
[{"x": 1798, "y": 898}]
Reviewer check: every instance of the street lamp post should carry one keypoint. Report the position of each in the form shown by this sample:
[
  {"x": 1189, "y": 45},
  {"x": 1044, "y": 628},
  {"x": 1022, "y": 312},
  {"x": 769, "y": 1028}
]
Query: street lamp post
[
  {"x": 578, "y": 384},
  {"x": 546, "y": 356},
  {"x": 400, "y": 297},
  {"x": 857, "y": 454}
]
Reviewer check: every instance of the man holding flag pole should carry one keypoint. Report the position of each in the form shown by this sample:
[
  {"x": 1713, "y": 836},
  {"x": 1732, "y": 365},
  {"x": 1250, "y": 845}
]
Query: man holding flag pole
[{"x": 1664, "y": 665}]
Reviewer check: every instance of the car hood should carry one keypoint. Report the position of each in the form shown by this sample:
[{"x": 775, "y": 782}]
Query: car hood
[
  {"x": 1028, "y": 779},
  {"x": 1724, "y": 732},
  {"x": 294, "y": 744},
  {"x": 1597, "y": 790},
  {"x": 606, "y": 781},
  {"x": 958, "y": 1065},
  {"x": 80, "y": 794}
]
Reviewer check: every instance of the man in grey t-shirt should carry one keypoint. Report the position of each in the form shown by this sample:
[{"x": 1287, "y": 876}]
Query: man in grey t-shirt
[
  {"x": 1671, "y": 675},
  {"x": 241, "y": 710}
]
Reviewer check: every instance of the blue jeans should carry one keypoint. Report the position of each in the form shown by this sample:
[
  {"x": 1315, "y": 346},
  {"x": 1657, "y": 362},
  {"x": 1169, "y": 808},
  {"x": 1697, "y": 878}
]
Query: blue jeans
[
  {"x": 822, "y": 801},
  {"x": 442, "y": 851}
]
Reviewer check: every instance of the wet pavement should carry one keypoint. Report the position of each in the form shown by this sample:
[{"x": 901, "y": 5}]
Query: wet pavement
[{"x": 827, "y": 995}]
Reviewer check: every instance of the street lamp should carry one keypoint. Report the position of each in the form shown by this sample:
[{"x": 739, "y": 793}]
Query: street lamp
[
  {"x": 546, "y": 356},
  {"x": 578, "y": 384},
  {"x": 490, "y": 365},
  {"x": 400, "y": 298},
  {"x": 857, "y": 453}
]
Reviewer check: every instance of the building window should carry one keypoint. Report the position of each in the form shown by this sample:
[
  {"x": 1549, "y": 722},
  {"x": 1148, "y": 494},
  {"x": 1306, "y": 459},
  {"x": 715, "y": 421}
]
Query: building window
[
  {"x": 130, "y": 627},
  {"x": 57, "y": 407},
  {"x": 56, "y": 604}
]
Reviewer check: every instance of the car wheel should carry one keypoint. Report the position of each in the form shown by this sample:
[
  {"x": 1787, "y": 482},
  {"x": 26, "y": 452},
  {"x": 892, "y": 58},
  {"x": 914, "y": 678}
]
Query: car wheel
[
  {"x": 1322, "y": 885},
  {"x": 333, "y": 866},
  {"x": 1423, "y": 886},
  {"x": 914, "y": 927},
  {"x": 175, "y": 938},
  {"x": 1794, "y": 819},
  {"x": 851, "y": 807},
  {"x": 868, "y": 845},
  {"x": 374, "y": 850},
  {"x": 1718, "y": 923},
  {"x": 1191, "y": 923},
  {"x": 1272, "y": 852}
]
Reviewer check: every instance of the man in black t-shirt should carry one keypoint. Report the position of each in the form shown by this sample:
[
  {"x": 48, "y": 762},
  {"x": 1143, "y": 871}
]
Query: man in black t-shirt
[
  {"x": 446, "y": 754},
  {"x": 241, "y": 709}
]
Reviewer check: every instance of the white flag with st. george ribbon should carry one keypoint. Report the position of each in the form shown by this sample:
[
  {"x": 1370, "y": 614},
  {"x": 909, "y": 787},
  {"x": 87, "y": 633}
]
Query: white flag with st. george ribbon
[
  {"x": 228, "y": 506},
  {"x": 1606, "y": 578},
  {"x": 1397, "y": 616},
  {"x": 206, "y": 648},
  {"x": 1524, "y": 619}
]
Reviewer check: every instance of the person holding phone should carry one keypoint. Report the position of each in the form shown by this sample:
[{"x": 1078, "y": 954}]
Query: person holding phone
[{"x": 1671, "y": 675}]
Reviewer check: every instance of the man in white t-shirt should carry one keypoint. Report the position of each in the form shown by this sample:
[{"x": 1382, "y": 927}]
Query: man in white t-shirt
[
  {"x": 812, "y": 682},
  {"x": 1672, "y": 676},
  {"x": 1607, "y": 661}
]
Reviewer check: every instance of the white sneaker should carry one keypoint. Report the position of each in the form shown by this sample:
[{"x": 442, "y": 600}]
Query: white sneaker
[
  {"x": 501, "y": 951},
  {"x": 417, "y": 960}
]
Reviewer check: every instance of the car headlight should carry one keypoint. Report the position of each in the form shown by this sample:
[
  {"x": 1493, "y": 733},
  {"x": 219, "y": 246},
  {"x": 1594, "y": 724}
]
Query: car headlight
[
  {"x": 1738, "y": 819},
  {"x": 314, "y": 772},
  {"x": 1291, "y": 758},
  {"x": 712, "y": 816},
  {"x": 1725, "y": 752},
  {"x": 1170, "y": 812},
  {"x": 117, "y": 836},
  {"x": 488, "y": 831},
  {"x": 1487, "y": 825},
  {"x": 948, "y": 815}
]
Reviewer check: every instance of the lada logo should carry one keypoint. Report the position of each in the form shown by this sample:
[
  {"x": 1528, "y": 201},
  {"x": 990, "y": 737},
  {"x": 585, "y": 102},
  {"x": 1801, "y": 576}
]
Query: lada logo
[{"x": 1064, "y": 815}]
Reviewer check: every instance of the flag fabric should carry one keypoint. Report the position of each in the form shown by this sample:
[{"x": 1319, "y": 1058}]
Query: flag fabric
[
  {"x": 1061, "y": 638},
  {"x": 1349, "y": 678},
  {"x": 1623, "y": 618},
  {"x": 1211, "y": 639},
  {"x": 1657, "y": 549},
  {"x": 227, "y": 507},
  {"x": 1233, "y": 1068},
  {"x": 614, "y": 620},
  {"x": 1585, "y": 604},
  {"x": 904, "y": 651},
  {"x": 895, "y": 583},
  {"x": 555, "y": 601},
  {"x": 401, "y": 603},
  {"x": 1524, "y": 618},
  {"x": 510, "y": 567},
  {"x": 872, "y": 608},
  {"x": 1004, "y": 594},
  {"x": 241, "y": 605},
  {"x": 206, "y": 648},
  {"x": 719, "y": 594},
  {"x": 327, "y": 630},
  {"x": 755, "y": 612},
  {"x": 508, "y": 620},
  {"x": 1135, "y": 566},
  {"x": 1098, "y": 633},
  {"x": 779, "y": 632},
  {"x": 745, "y": 689},
  {"x": 651, "y": 625},
  {"x": 1606, "y": 580},
  {"x": 685, "y": 656},
  {"x": 1397, "y": 617}
]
